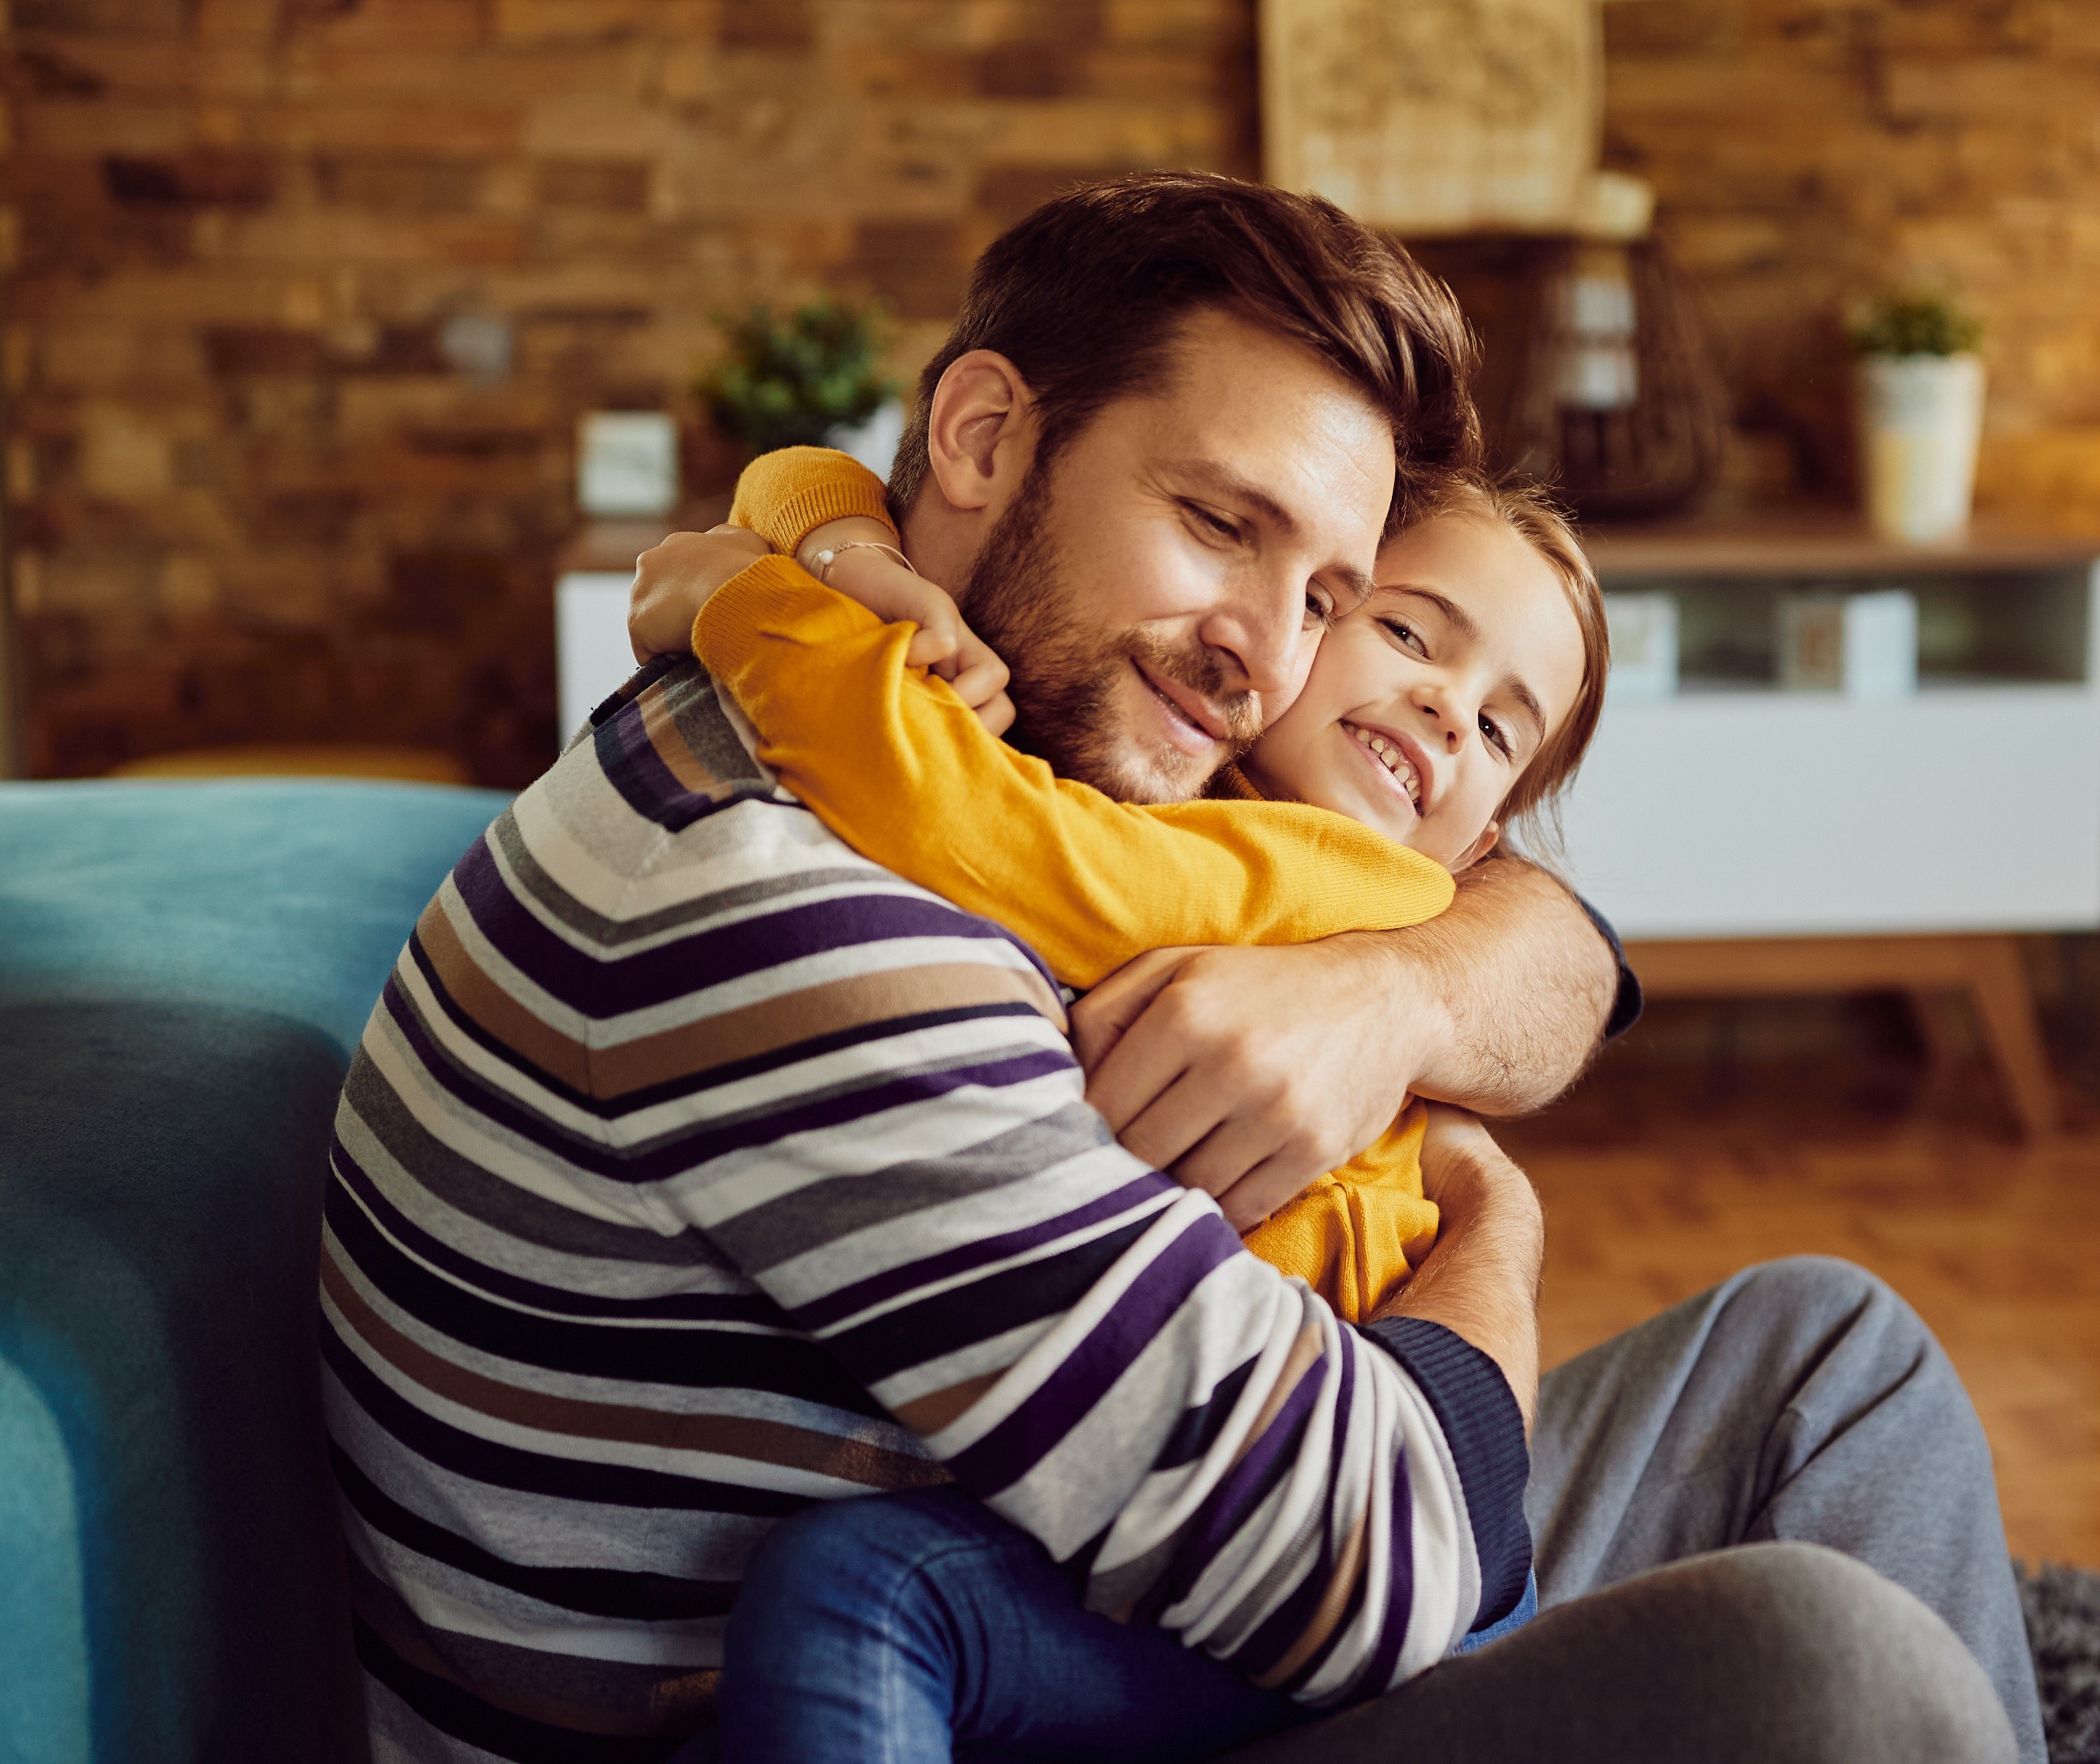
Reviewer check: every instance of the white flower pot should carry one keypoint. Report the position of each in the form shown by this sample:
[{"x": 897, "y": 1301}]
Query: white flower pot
[{"x": 1920, "y": 417}]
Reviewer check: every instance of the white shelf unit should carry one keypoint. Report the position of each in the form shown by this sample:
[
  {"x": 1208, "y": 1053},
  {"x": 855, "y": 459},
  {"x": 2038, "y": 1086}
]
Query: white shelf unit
[
  {"x": 1736, "y": 810},
  {"x": 592, "y": 658}
]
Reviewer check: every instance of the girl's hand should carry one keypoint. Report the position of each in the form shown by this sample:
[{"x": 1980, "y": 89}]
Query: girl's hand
[
  {"x": 942, "y": 644},
  {"x": 674, "y": 580}
]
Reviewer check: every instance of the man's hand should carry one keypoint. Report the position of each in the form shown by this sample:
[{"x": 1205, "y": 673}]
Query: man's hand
[
  {"x": 1248, "y": 1072},
  {"x": 674, "y": 580},
  {"x": 1480, "y": 1281}
]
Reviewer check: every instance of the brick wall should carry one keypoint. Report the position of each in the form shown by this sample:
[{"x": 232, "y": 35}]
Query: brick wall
[
  {"x": 1807, "y": 151},
  {"x": 255, "y": 498}
]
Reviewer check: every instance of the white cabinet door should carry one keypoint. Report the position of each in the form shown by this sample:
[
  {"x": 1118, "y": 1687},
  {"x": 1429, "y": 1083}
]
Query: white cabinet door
[
  {"x": 591, "y": 656},
  {"x": 1971, "y": 808}
]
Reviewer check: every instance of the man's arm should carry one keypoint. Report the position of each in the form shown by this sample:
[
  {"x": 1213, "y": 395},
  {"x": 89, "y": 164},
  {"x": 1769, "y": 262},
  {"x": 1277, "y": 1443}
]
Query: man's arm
[
  {"x": 1247, "y": 1071},
  {"x": 1085, "y": 1344},
  {"x": 1475, "y": 1299},
  {"x": 1480, "y": 1281},
  {"x": 1513, "y": 985}
]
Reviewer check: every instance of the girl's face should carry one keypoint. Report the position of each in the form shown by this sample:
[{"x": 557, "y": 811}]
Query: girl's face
[{"x": 1427, "y": 702}]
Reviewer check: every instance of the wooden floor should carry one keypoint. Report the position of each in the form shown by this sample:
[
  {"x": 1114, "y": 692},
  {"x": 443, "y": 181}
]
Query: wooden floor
[{"x": 1661, "y": 1177}]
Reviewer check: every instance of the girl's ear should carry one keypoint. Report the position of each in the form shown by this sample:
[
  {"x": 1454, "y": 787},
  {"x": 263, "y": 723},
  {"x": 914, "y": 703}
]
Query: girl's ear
[{"x": 1480, "y": 847}]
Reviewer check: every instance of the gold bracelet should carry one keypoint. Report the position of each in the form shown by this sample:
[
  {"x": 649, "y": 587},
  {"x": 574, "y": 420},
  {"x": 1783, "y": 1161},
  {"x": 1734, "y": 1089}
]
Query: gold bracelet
[{"x": 820, "y": 565}]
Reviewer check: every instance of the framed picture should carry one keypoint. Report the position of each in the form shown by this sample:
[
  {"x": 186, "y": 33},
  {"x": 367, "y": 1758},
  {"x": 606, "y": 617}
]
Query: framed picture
[{"x": 1434, "y": 116}]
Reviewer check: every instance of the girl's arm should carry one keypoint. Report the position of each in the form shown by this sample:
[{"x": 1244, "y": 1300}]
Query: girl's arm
[{"x": 899, "y": 768}]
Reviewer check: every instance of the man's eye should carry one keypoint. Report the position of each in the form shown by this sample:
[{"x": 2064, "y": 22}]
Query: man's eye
[
  {"x": 1319, "y": 611},
  {"x": 1216, "y": 524}
]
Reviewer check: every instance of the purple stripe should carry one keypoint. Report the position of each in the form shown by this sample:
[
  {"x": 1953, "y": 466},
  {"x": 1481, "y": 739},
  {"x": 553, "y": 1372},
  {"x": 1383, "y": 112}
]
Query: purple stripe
[
  {"x": 600, "y": 987},
  {"x": 1280, "y": 1632},
  {"x": 1229, "y": 1504},
  {"x": 691, "y": 1307},
  {"x": 1284, "y": 1627},
  {"x": 686, "y": 1151},
  {"x": 1376, "y": 1674},
  {"x": 903, "y": 1279},
  {"x": 633, "y": 767},
  {"x": 1018, "y": 1442},
  {"x": 1384, "y": 1661}
]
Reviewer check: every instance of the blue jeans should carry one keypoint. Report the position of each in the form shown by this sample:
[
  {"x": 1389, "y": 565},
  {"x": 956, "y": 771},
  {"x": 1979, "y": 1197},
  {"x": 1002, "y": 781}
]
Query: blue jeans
[{"x": 923, "y": 1627}]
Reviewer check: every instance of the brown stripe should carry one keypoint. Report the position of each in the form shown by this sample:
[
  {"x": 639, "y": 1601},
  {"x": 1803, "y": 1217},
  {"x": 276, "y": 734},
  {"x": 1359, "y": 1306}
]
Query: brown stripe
[
  {"x": 693, "y": 1049},
  {"x": 771, "y": 1024},
  {"x": 1304, "y": 1354},
  {"x": 931, "y": 1412},
  {"x": 666, "y": 1700},
  {"x": 766, "y": 1442},
  {"x": 561, "y": 1056},
  {"x": 1333, "y": 1602},
  {"x": 672, "y": 747}
]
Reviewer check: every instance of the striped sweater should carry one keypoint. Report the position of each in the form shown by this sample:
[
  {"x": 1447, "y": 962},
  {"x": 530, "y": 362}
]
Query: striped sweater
[{"x": 693, "y": 1168}]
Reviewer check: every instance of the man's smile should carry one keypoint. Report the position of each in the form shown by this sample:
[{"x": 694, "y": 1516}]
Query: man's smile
[{"x": 1193, "y": 722}]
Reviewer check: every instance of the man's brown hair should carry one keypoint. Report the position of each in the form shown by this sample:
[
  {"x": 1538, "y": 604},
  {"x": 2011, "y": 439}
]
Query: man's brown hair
[{"x": 1086, "y": 296}]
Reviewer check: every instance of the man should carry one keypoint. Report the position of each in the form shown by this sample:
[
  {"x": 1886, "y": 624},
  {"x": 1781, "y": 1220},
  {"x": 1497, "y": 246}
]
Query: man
[{"x": 693, "y": 1169}]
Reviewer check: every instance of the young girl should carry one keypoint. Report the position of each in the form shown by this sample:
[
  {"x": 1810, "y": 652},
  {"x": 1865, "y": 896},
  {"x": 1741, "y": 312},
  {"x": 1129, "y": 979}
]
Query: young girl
[
  {"x": 1464, "y": 688},
  {"x": 1462, "y": 692}
]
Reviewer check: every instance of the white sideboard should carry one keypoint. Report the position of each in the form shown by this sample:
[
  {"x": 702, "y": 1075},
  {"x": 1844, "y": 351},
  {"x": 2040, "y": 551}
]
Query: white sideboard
[
  {"x": 593, "y": 576},
  {"x": 591, "y": 655},
  {"x": 1735, "y": 809}
]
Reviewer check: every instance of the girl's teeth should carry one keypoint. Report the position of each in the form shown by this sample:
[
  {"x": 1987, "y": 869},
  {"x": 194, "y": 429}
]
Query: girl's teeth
[
  {"x": 1378, "y": 744},
  {"x": 1395, "y": 761}
]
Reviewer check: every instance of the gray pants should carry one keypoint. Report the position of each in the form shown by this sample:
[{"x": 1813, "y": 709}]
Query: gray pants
[{"x": 1800, "y": 1403}]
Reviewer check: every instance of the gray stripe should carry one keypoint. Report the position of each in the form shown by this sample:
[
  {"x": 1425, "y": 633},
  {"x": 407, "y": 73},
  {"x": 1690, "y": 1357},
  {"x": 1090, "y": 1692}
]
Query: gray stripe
[
  {"x": 785, "y": 1102},
  {"x": 776, "y": 1231},
  {"x": 695, "y": 707},
  {"x": 505, "y": 1207},
  {"x": 1298, "y": 1556},
  {"x": 528, "y": 1675},
  {"x": 1118, "y": 1589},
  {"x": 612, "y": 933}
]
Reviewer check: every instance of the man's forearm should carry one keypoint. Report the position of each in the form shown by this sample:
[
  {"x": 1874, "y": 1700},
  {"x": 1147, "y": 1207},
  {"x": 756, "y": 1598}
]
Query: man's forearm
[
  {"x": 1505, "y": 995},
  {"x": 1480, "y": 1281}
]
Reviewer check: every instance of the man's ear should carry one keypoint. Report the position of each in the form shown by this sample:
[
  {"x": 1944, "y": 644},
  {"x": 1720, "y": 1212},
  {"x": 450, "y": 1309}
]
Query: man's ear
[
  {"x": 1480, "y": 847},
  {"x": 981, "y": 432}
]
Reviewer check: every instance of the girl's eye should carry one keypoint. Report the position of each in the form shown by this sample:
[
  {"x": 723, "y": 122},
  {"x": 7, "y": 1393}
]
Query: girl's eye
[
  {"x": 1407, "y": 634},
  {"x": 1492, "y": 731}
]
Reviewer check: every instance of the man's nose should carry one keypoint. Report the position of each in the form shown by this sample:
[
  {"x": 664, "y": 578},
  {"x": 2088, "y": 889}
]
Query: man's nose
[{"x": 1262, "y": 633}]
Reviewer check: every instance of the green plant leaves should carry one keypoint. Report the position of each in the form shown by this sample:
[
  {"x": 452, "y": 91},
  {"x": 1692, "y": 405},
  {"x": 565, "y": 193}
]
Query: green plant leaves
[
  {"x": 788, "y": 381},
  {"x": 1916, "y": 324}
]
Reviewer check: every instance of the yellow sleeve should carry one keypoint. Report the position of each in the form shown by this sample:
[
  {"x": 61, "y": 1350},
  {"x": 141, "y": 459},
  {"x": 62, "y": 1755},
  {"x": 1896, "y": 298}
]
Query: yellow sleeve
[
  {"x": 784, "y": 495},
  {"x": 1356, "y": 1234},
  {"x": 894, "y": 764}
]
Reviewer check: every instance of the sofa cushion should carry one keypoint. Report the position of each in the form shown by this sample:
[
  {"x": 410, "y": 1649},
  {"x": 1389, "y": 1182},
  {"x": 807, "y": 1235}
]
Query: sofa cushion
[
  {"x": 184, "y": 969},
  {"x": 291, "y": 897}
]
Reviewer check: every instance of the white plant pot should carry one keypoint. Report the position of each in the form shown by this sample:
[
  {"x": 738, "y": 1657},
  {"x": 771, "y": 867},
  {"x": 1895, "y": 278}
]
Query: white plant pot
[{"x": 1920, "y": 417}]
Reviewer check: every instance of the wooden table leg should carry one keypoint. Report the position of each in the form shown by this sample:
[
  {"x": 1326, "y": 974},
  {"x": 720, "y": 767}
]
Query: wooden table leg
[
  {"x": 2004, "y": 1007},
  {"x": 1987, "y": 969}
]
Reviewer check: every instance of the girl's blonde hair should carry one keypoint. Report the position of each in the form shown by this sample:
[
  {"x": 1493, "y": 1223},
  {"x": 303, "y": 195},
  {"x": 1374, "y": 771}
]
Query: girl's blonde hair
[{"x": 1534, "y": 517}]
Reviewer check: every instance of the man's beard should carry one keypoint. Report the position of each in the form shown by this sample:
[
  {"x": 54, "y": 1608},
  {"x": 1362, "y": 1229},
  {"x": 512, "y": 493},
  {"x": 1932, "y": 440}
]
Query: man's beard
[{"x": 1065, "y": 675}]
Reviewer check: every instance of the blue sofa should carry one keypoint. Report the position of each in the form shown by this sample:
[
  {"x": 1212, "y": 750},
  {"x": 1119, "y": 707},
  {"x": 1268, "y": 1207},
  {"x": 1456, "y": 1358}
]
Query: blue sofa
[{"x": 184, "y": 969}]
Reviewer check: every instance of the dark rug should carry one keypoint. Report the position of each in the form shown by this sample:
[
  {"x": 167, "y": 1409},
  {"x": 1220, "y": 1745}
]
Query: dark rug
[{"x": 2062, "y": 1607}]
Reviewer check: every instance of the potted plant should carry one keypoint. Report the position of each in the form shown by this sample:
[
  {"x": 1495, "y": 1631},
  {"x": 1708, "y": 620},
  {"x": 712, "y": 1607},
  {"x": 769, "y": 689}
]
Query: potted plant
[
  {"x": 811, "y": 377},
  {"x": 1921, "y": 414}
]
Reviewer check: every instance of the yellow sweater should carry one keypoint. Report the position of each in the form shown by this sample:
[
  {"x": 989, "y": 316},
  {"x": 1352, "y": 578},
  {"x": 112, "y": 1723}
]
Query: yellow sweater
[{"x": 891, "y": 761}]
